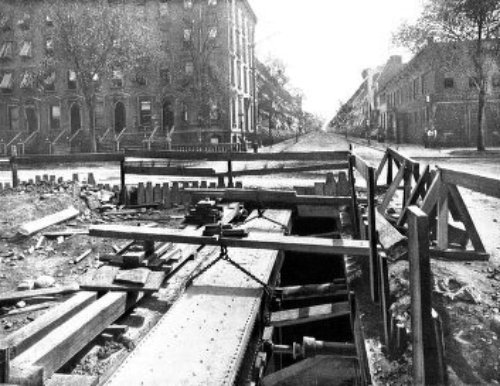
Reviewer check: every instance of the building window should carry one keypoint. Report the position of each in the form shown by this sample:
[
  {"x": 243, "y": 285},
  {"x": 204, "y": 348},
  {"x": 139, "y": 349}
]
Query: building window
[
  {"x": 495, "y": 81},
  {"x": 49, "y": 46},
  {"x": 7, "y": 82},
  {"x": 13, "y": 115},
  {"x": 27, "y": 80},
  {"x": 188, "y": 4},
  {"x": 473, "y": 82},
  {"x": 145, "y": 113},
  {"x": 165, "y": 76},
  {"x": 233, "y": 112},
  {"x": 212, "y": 32},
  {"x": 189, "y": 68},
  {"x": 71, "y": 80},
  {"x": 245, "y": 80},
  {"x": 49, "y": 83},
  {"x": 25, "y": 51},
  {"x": 55, "y": 117},
  {"x": 48, "y": 21},
  {"x": 24, "y": 23},
  {"x": 232, "y": 72},
  {"x": 117, "y": 78},
  {"x": 238, "y": 70},
  {"x": 140, "y": 79},
  {"x": 184, "y": 112},
  {"x": 6, "y": 50},
  {"x": 449, "y": 83}
]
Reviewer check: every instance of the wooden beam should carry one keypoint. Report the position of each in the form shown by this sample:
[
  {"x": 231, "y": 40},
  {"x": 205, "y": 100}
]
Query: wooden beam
[
  {"x": 309, "y": 314},
  {"x": 422, "y": 326},
  {"x": 361, "y": 166},
  {"x": 442, "y": 218},
  {"x": 37, "y": 159},
  {"x": 266, "y": 197},
  {"x": 327, "y": 156},
  {"x": 465, "y": 217},
  {"x": 255, "y": 240},
  {"x": 26, "y": 336},
  {"x": 418, "y": 191},
  {"x": 169, "y": 171},
  {"x": 458, "y": 255},
  {"x": 373, "y": 237},
  {"x": 388, "y": 236},
  {"x": 62, "y": 343},
  {"x": 13, "y": 297},
  {"x": 310, "y": 291},
  {"x": 392, "y": 189},
  {"x": 485, "y": 185},
  {"x": 290, "y": 169},
  {"x": 381, "y": 166},
  {"x": 32, "y": 227},
  {"x": 401, "y": 158},
  {"x": 432, "y": 195}
]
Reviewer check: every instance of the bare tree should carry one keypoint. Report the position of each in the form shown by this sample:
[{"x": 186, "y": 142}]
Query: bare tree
[
  {"x": 97, "y": 41},
  {"x": 202, "y": 80},
  {"x": 471, "y": 21}
]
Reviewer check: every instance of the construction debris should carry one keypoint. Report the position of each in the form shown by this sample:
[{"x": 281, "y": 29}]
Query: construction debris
[{"x": 35, "y": 226}]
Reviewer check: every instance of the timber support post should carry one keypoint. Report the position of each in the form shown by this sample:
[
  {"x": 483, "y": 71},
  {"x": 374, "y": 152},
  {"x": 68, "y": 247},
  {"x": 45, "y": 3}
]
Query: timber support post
[
  {"x": 354, "y": 200},
  {"x": 230, "y": 183},
  {"x": 123, "y": 187},
  {"x": 372, "y": 237},
  {"x": 425, "y": 348},
  {"x": 4, "y": 364},
  {"x": 13, "y": 166}
]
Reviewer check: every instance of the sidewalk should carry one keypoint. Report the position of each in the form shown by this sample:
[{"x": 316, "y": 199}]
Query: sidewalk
[{"x": 419, "y": 151}]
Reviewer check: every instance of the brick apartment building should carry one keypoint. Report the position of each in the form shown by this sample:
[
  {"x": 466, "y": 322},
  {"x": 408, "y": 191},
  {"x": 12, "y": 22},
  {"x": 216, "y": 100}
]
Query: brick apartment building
[
  {"x": 130, "y": 108},
  {"x": 280, "y": 113},
  {"x": 435, "y": 88}
]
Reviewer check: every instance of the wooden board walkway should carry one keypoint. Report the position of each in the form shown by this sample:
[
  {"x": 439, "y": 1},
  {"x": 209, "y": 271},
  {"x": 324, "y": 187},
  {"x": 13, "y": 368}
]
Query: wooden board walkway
[{"x": 203, "y": 337}]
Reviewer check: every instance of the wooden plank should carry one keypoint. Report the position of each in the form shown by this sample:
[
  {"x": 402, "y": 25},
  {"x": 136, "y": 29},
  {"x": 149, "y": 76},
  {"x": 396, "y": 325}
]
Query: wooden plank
[
  {"x": 459, "y": 255},
  {"x": 169, "y": 171},
  {"x": 26, "y": 336},
  {"x": 327, "y": 156},
  {"x": 442, "y": 218},
  {"x": 389, "y": 194},
  {"x": 373, "y": 237},
  {"x": 481, "y": 184},
  {"x": 62, "y": 343},
  {"x": 13, "y": 297},
  {"x": 418, "y": 191},
  {"x": 388, "y": 236},
  {"x": 424, "y": 340},
  {"x": 32, "y": 227},
  {"x": 432, "y": 195},
  {"x": 317, "y": 211},
  {"x": 37, "y": 159},
  {"x": 310, "y": 291},
  {"x": 264, "y": 196},
  {"x": 309, "y": 314},
  {"x": 289, "y": 169},
  {"x": 253, "y": 241},
  {"x": 72, "y": 380},
  {"x": 401, "y": 158},
  {"x": 361, "y": 166},
  {"x": 103, "y": 280},
  {"x": 381, "y": 165},
  {"x": 137, "y": 276},
  {"x": 465, "y": 217},
  {"x": 82, "y": 256},
  {"x": 385, "y": 298}
]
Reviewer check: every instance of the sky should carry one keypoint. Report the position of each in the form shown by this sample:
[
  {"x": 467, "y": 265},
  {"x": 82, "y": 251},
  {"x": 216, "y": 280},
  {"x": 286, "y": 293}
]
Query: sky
[{"x": 326, "y": 44}]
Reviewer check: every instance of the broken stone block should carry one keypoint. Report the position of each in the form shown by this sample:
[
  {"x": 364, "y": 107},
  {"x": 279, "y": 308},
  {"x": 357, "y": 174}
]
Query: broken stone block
[{"x": 45, "y": 281}]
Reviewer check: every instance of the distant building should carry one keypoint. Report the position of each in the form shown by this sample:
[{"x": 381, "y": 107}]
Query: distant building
[
  {"x": 39, "y": 119},
  {"x": 279, "y": 113},
  {"x": 437, "y": 89}
]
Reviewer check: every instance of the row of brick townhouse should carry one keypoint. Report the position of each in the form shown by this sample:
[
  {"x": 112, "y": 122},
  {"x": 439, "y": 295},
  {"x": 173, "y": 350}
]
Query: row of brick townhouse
[
  {"x": 436, "y": 88},
  {"x": 134, "y": 107},
  {"x": 279, "y": 112}
]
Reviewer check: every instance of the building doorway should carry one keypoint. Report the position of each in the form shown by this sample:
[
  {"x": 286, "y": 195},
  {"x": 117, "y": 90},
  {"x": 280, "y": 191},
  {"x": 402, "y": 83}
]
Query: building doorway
[
  {"x": 120, "y": 117},
  {"x": 168, "y": 116},
  {"x": 31, "y": 119},
  {"x": 75, "y": 118}
]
